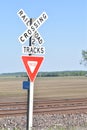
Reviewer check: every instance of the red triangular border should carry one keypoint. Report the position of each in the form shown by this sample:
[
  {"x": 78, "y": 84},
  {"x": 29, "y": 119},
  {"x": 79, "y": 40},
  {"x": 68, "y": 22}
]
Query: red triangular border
[{"x": 39, "y": 60}]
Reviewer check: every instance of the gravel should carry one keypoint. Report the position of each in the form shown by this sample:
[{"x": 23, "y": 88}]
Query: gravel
[{"x": 46, "y": 122}]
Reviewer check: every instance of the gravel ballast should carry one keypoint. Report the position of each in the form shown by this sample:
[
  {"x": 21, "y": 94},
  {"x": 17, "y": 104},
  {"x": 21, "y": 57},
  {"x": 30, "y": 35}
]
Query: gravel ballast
[{"x": 46, "y": 122}]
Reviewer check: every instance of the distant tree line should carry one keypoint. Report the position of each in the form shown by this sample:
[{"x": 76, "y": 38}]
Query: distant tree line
[
  {"x": 48, "y": 74},
  {"x": 62, "y": 73},
  {"x": 16, "y": 74}
]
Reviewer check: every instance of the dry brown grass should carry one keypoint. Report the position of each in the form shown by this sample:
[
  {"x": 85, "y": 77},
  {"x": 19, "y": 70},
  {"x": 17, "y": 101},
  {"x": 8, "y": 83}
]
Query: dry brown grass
[{"x": 53, "y": 87}]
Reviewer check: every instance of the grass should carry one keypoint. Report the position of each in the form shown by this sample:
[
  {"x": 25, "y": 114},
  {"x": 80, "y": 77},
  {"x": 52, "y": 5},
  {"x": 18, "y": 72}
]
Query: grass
[
  {"x": 9, "y": 129},
  {"x": 69, "y": 128}
]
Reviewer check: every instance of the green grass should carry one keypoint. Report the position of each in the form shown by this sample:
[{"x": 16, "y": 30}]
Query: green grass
[
  {"x": 57, "y": 128},
  {"x": 68, "y": 128},
  {"x": 9, "y": 129}
]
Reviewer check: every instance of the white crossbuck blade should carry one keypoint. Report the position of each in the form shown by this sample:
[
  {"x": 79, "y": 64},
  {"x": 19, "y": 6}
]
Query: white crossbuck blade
[
  {"x": 26, "y": 20},
  {"x": 32, "y": 29}
]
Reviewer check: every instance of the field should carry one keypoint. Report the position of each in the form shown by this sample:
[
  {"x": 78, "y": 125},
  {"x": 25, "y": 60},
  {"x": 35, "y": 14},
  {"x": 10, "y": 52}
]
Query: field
[{"x": 46, "y": 87}]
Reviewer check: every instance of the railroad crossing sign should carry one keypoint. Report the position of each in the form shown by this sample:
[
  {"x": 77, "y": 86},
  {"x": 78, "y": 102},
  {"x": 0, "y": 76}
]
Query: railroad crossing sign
[
  {"x": 26, "y": 20},
  {"x": 32, "y": 65},
  {"x": 32, "y": 29}
]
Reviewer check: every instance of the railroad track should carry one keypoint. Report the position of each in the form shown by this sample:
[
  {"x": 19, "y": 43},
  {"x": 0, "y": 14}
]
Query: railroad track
[{"x": 45, "y": 106}]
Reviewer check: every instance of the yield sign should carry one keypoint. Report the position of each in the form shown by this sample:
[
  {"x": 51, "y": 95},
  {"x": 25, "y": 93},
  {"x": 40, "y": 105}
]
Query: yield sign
[{"x": 32, "y": 65}]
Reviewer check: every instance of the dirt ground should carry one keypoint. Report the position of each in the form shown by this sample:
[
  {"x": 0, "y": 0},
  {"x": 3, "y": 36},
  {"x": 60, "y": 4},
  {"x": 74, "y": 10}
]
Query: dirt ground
[{"x": 47, "y": 87}]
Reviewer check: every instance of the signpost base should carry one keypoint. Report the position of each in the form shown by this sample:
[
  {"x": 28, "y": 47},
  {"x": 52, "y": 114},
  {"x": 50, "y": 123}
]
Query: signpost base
[
  {"x": 31, "y": 105},
  {"x": 30, "y": 128}
]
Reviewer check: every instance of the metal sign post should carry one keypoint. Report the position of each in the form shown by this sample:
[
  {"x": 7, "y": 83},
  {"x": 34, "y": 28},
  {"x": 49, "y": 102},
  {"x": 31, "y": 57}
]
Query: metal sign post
[
  {"x": 31, "y": 105},
  {"x": 30, "y": 98},
  {"x": 28, "y": 93}
]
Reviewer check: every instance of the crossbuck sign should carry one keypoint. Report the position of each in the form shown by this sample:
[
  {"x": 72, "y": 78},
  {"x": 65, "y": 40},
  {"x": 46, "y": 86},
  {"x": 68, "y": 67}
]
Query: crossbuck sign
[{"x": 32, "y": 29}]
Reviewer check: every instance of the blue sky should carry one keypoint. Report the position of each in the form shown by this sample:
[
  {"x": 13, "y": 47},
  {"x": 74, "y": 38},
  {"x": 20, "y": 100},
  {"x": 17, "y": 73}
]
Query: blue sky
[{"x": 65, "y": 33}]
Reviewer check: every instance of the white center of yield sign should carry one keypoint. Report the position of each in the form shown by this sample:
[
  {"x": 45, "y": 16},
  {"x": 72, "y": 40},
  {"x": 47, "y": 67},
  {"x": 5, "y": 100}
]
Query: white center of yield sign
[{"x": 32, "y": 65}]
